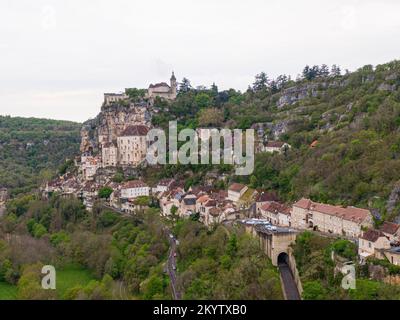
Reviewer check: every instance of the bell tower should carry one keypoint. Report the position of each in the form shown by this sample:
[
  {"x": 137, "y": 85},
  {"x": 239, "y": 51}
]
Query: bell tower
[{"x": 173, "y": 85}]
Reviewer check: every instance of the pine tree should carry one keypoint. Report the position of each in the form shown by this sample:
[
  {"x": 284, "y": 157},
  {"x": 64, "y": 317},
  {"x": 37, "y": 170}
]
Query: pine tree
[
  {"x": 261, "y": 82},
  {"x": 185, "y": 85}
]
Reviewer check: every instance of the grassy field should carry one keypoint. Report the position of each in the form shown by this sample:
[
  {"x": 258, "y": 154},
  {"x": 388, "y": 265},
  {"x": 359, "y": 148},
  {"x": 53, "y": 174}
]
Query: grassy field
[
  {"x": 7, "y": 291},
  {"x": 65, "y": 279},
  {"x": 72, "y": 277}
]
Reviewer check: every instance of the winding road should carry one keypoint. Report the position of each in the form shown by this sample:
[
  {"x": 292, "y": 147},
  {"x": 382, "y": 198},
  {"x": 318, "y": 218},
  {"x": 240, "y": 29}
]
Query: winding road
[{"x": 170, "y": 267}]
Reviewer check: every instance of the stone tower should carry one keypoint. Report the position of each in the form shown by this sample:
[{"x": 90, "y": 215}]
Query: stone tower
[{"x": 173, "y": 84}]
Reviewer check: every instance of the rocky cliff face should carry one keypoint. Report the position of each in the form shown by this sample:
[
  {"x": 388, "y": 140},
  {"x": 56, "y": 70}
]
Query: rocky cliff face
[{"x": 109, "y": 124}]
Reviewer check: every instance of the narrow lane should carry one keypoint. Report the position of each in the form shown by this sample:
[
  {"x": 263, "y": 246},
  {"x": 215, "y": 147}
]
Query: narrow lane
[{"x": 289, "y": 285}]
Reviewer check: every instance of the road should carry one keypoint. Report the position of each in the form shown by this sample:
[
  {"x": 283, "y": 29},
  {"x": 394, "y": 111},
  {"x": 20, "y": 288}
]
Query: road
[
  {"x": 171, "y": 265},
  {"x": 289, "y": 285}
]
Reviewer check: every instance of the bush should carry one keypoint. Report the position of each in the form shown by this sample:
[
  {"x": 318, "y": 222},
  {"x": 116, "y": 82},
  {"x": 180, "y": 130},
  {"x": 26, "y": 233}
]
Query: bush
[{"x": 108, "y": 219}]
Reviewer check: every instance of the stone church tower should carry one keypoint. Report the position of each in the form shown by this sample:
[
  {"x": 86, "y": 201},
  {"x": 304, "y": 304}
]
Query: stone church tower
[{"x": 173, "y": 84}]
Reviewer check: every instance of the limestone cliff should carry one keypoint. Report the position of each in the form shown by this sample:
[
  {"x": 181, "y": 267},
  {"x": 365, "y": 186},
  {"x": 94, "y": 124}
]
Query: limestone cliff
[{"x": 110, "y": 123}]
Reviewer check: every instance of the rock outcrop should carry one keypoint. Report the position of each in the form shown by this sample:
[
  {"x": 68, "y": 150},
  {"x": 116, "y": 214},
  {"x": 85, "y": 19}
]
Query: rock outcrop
[{"x": 110, "y": 123}]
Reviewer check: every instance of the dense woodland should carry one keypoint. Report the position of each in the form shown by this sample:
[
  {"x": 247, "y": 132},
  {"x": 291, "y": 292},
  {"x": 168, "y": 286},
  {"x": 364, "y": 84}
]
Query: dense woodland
[
  {"x": 31, "y": 150},
  {"x": 224, "y": 263},
  {"x": 102, "y": 255}
]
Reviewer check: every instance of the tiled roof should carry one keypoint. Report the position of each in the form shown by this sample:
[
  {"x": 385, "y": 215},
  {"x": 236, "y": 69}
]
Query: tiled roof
[
  {"x": 275, "y": 144},
  {"x": 203, "y": 199},
  {"x": 135, "y": 130},
  {"x": 275, "y": 207},
  {"x": 314, "y": 144},
  {"x": 236, "y": 187},
  {"x": 161, "y": 84},
  {"x": 264, "y": 196},
  {"x": 389, "y": 227},
  {"x": 165, "y": 182},
  {"x": 134, "y": 184},
  {"x": 211, "y": 203},
  {"x": 372, "y": 235},
  {"x": 220, "y": 195},
  {"x": 346, "y": 213},
  {"x": 303, "y": 203},
  {"x": 215, "y": 212}
]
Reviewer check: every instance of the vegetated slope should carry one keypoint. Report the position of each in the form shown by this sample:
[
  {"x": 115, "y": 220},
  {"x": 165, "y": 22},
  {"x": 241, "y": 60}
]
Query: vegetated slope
[
  {"x": 318, "y": 270},
  {"x": 225, "y": 263},
  {"x": 32, "y": 149},
  {"x": 354, "y": 117},
  {"x": 97, "y": 255}
]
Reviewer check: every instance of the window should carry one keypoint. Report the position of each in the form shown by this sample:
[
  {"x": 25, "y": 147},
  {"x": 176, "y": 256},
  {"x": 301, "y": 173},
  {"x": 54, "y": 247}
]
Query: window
[{"x": 369, "y": 244}]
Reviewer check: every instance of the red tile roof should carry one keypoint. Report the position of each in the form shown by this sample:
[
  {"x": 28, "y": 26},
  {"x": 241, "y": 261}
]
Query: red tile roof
[
  {"x": 275, "y": 207},
  {"x": 134, "y": 184},
  {"x": 211, "y": 203},
  {"x": 165, "y": 182},
  {"x": 203, "y": 199},
  {"x": 372, "y": 235},
  {"x": 264, "y": 196},
  {"x": 135, "y": 130},
  {"x": 236, "y": 187},
  {"x": 215, "y": 212},
  {"x": 346, "y": 213},
  {"x": 389, "y": 227}
]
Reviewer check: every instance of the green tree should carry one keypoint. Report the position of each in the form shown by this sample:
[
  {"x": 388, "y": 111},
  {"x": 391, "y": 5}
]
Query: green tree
[
  {"x": 202, "y": 100},
  {"x": 105, "y": 192},
  {"x": 314, "y": 290}
]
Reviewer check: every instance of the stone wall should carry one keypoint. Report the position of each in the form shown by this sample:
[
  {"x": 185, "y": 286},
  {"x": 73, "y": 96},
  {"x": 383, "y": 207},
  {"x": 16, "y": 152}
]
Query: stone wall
[{"x": 295, "y": 272}]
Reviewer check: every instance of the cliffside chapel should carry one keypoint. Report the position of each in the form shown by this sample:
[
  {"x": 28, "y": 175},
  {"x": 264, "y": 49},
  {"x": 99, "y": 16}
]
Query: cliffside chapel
[{"x": 163, "y": 90}]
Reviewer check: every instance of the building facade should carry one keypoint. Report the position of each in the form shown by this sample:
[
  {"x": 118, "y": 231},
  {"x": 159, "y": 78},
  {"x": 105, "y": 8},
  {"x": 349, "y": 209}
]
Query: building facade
[
  {"x": 163, "y": 90},
  {"x": 348, "y": 221},
  {"x": 134, "y": 189},
  {"x": 236, "y": 191},
  {"x": 132, "y": 145},
  {"x": 371, "y": 243}
]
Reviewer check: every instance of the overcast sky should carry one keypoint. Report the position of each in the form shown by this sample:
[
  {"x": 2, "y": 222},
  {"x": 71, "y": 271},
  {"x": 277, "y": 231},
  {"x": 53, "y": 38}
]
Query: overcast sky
[{"x": 59, "y": 57}]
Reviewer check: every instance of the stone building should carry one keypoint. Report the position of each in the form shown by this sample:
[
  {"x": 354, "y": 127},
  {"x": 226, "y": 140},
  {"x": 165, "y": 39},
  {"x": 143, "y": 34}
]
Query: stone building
[
  {"x": 276, "y": 213},
  {"x": 346, "y": 221},
  {"x": 89, "y": 165},
  {"x": 109, "y": 155},
  {"x": 134, "y": 189},
  {"x": 393, "y": 255},
  {"x": 236, "y": 191},
  {"x": 371, "y": 243},
  {"x": 132, "y": 145},
  {"x": 163, "y": 90},
  {"x": 110, "y": 98},
  {"x": 391, "y": 230}
]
